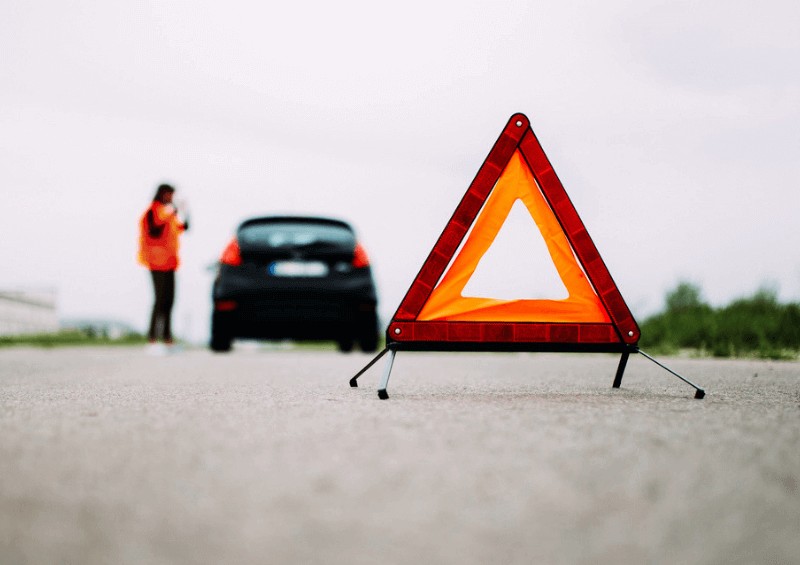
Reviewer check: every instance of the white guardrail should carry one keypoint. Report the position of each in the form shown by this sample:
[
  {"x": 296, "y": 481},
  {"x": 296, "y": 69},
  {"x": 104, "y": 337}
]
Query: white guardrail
[{"x": 28, "y": 312}]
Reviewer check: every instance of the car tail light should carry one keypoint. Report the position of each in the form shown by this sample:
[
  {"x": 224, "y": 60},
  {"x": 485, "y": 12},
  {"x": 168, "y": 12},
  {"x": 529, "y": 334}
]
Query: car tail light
[
  {"x": 225, "y": 305},
  {"x": 360, "y": 258},
  {"x": 232, "y": 255}
]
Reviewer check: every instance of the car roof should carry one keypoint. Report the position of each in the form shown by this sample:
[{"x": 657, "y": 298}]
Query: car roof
[{"x": 287, "y": 219}]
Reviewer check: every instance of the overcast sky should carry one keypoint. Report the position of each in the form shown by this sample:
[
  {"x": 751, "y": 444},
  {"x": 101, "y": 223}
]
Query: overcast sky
[{"x": 674, "y": 127}]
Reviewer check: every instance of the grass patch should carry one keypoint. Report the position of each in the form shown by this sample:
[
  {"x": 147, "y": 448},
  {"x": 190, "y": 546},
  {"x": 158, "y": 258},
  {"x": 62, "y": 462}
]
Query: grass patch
[{"x": 69, "y": 338}]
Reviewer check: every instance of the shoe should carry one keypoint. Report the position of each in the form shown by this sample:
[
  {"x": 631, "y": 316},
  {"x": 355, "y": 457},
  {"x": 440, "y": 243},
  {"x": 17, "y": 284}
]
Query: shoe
[{"x": 155, "y": 349}]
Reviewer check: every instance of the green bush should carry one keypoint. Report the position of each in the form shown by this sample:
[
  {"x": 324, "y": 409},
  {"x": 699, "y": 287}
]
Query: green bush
[{"x": 754, "y": 326}]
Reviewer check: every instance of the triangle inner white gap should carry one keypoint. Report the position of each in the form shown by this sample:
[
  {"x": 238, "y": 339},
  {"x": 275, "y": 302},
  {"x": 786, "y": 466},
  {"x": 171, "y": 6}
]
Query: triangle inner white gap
[{"x": 517, "y": 266}]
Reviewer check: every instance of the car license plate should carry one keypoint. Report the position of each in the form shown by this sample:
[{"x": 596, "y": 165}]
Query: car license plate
[{"x": 298, "y": 269}]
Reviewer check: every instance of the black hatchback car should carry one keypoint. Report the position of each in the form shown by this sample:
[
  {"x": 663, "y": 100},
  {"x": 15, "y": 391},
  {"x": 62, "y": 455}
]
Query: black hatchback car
[{"x": 297, "y": 278}]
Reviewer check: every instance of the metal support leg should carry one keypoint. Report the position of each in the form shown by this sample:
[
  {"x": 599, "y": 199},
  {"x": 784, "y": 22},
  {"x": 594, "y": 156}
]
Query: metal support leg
[
  {"x": 699, "y": 392},
  {"x": 382, "y": 394},
  {"x": 620, "y": 369},
  {"x": 354, "y": 380}
]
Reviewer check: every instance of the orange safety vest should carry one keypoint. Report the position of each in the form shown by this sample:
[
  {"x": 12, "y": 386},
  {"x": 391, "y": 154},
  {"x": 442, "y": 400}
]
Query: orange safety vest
[{"x": 159, "y": 229}]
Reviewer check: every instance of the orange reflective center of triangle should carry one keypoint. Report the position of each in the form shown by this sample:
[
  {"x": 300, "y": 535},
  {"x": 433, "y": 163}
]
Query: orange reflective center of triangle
[{"x": 446, "y": 301}]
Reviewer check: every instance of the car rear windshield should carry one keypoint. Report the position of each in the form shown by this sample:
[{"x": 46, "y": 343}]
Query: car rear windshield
[{"x": 295, "y": 234}]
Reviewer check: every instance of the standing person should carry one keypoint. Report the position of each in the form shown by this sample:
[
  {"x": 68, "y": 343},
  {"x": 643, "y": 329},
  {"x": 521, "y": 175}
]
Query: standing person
[{"x": 159, "y": 230}]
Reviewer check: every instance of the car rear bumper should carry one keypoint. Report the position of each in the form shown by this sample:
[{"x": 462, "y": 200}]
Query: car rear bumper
[
  {"x": 298, "y": 318},
  {"x": 249, "y": 304}
]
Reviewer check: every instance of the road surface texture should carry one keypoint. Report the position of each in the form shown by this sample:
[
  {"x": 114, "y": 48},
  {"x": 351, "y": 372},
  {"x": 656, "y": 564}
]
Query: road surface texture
[{"x": 268, "y": 456}]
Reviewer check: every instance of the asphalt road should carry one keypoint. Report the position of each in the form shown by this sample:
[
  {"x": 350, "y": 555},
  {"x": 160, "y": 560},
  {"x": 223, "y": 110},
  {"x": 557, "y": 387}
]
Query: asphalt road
[{"x": 268, "y": 456}]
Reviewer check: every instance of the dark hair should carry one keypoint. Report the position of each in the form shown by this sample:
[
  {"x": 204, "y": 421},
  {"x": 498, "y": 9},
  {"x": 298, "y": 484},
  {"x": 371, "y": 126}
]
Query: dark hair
[{"x": 162, "y": 190}]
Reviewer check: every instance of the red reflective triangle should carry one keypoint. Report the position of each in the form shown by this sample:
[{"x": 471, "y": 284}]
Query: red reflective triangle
[{"x": 433, "y": 311}]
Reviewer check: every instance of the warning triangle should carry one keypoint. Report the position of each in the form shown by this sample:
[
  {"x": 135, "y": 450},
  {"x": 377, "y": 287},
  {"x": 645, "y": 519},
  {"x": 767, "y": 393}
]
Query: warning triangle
[
  {"x": 437, "y": 312},
  {"x": 446, "y": 302}
]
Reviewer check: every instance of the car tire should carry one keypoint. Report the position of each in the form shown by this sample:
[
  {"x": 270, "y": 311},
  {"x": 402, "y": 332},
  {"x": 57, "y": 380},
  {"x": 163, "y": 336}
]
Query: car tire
[
  {"x": 345, "y": 344},
  {"x": 220, "y": 343},
  {"x": 368, "y": 342},
  {"x": 221, "y": 337},
  {"x": 368, "y": 334}
]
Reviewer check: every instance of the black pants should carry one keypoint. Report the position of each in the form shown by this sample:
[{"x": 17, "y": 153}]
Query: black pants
[{"x": 164, "y": 287}]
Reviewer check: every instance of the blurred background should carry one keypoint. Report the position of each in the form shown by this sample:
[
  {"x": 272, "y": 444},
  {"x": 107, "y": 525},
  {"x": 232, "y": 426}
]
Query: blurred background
[{"x": 674, "y": 127}]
